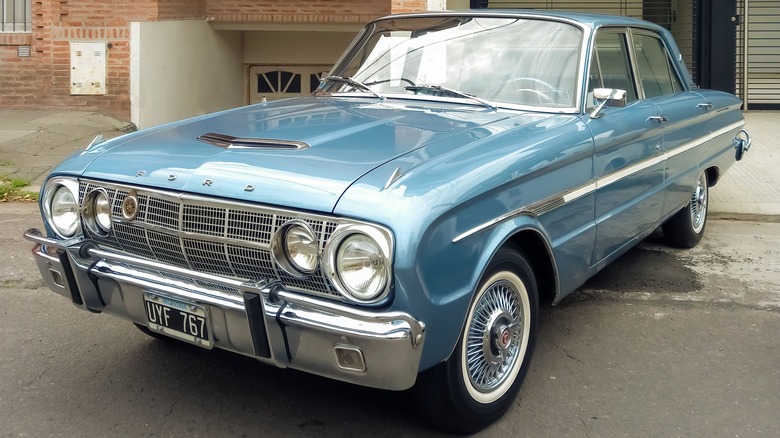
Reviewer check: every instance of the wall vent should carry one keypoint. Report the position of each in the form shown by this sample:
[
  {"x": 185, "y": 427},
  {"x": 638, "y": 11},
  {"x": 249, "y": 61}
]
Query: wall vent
[{"x": 23, "y": 51}]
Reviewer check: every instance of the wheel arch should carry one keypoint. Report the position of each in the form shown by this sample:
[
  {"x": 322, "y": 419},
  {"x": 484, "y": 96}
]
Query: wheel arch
[
  {"x": 540, "y": 256},
  {"x": 713, "y": 175}
]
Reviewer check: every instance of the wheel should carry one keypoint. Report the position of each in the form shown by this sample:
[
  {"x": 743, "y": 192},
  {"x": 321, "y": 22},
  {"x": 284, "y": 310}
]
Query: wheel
[
  {"x": 483, "y": 376},
  {"x": 686, "y": 227}
]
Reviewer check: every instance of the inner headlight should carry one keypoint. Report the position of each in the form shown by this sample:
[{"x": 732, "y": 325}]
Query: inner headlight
[
  {"x": 295, "y": 249},
  {"x": 361, "y": 266},
  {"x": 64, "y": 212},
  {"x": 97, "y": 212},
  {"x": 103, "y": 212},
  {"x": 301, "y": 248}
]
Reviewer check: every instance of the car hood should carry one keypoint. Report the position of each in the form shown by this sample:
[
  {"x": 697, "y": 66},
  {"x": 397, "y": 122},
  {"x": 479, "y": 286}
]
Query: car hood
[{"x": 344, "y": 139}]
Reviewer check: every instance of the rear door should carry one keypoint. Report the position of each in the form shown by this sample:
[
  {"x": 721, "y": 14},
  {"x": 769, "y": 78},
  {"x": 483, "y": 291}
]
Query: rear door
[{"x": 682, "y": 118}]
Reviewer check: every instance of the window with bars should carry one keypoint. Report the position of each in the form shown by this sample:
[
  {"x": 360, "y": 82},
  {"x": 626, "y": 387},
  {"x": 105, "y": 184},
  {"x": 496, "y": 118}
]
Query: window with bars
[
  {"x": 284, "y": 81},
  {"x": 15, "y": 16}
]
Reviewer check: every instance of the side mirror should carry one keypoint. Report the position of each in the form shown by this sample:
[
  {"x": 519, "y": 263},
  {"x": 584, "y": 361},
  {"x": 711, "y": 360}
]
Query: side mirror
[{"x": 611, "y": 96}]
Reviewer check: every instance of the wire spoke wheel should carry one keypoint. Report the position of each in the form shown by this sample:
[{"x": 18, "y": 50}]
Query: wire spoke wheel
[
  {"x": 495, "y": 339},
  {"x": 482, "y": 377},
  {"x": 698, "y": 205},
  {"x": 686, "y": 228},
  {"x": 494, "y": 336}
]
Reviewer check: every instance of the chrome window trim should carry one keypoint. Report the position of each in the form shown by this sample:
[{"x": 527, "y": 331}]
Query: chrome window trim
[
  {"x": 553, "y": 202},
  {"x": 587, "y": 31},
  {"x": 463, "y": 101},
  {"x": 672, "y": 66}
]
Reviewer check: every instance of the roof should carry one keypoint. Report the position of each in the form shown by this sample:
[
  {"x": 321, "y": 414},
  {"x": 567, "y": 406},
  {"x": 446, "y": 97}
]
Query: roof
[{"x": 591, "y": 20}]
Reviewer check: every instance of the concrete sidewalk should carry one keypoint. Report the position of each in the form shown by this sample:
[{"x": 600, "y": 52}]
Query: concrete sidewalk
[
  {"x": 750, "y": 188},
  {"x": 32, "y": 142}
]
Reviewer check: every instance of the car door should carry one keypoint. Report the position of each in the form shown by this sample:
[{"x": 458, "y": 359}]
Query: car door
[
  {"x": 682, "y": 118},
  {"x": 628, "y": 157}
]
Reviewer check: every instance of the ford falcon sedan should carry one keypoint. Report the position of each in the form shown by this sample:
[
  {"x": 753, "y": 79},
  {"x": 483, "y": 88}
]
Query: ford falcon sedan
[{"x": 399, "y": 227}]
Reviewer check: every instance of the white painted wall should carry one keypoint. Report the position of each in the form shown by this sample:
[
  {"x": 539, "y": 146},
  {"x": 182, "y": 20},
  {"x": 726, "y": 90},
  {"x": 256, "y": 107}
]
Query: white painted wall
[
  {"x": 458, "y": 4},
  {"x": 295, "y": 47},
  {"x": 181, "y": 69}
]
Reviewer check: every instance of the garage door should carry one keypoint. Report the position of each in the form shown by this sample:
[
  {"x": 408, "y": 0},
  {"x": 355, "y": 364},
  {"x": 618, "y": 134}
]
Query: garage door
[{"x": 274, "y": 82}]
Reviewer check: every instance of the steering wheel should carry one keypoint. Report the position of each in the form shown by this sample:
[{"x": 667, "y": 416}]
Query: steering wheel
[{"x": 541, "y": 97}]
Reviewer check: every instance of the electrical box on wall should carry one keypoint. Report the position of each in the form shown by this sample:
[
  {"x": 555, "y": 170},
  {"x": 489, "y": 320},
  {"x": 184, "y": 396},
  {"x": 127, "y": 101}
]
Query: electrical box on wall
[{"x": 88, "y": 68}]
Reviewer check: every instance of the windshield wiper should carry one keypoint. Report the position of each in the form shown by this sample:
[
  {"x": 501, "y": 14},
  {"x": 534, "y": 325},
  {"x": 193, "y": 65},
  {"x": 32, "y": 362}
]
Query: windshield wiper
[
  {"x": 355, "y": 83},
  {"x": 442, "y": 91}
]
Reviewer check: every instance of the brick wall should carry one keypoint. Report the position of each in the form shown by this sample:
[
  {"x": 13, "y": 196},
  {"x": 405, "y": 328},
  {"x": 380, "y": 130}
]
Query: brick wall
[
  {"x": 18, "y": 78},
  {"x": 297, "y": 11},
  {"x": 398, "y": 6},
  {"x": 43, "y": 79}
]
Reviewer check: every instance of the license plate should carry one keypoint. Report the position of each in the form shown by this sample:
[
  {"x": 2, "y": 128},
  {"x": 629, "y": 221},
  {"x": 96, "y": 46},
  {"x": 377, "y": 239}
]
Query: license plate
[{"x": 180, "y": 320}]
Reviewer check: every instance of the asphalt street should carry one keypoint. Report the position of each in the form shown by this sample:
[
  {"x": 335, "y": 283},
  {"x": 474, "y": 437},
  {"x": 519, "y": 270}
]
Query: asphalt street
[{"x": 662, "y": 343}]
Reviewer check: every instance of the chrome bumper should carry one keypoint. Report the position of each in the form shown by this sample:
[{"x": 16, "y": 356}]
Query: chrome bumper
[{"x": 261, "y": 319}]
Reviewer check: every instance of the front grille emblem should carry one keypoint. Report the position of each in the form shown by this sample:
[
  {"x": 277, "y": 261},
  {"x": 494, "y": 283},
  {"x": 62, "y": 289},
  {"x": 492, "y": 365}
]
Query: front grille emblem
[{"x": 130, "y": 206}]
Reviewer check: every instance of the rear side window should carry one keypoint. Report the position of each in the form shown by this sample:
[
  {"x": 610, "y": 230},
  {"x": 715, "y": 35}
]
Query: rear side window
[
  {"x": 656, "y": 74},
  {"x": 609, "y": 66}
]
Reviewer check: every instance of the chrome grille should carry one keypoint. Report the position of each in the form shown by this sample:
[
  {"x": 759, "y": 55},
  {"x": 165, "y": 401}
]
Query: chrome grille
[{"x": 207, "y": 235}]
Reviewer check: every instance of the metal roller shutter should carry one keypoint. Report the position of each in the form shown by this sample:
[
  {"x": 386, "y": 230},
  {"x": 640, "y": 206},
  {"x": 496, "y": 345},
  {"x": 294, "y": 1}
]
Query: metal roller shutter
[{"x": 761, "y": 66}]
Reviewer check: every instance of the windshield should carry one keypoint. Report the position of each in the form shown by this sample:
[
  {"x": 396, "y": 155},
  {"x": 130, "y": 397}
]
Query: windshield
[{"x": 529, "y": 62}]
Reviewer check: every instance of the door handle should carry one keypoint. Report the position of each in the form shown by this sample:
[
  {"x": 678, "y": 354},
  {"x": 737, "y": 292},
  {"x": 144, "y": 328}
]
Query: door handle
[
  {"x": 705, "y": 106},
  {"x": 659, "y": 118}
]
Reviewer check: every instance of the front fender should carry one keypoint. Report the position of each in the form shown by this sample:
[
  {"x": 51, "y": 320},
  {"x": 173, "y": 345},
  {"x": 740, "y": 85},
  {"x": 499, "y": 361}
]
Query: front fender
[{"x": 448, "y": 273}]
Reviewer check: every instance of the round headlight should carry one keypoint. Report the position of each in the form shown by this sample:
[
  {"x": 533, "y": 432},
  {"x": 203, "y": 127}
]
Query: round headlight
[
  {"x": 64, "y": 212},
  {"x": 361, "y": 266},
  {"x": 102, "y": 209},
  {"x": 301, "y": 248}
]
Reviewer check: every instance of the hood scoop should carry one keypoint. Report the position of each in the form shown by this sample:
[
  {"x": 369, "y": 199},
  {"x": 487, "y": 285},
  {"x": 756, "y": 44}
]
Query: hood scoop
[{"x": 230, "y": 142}]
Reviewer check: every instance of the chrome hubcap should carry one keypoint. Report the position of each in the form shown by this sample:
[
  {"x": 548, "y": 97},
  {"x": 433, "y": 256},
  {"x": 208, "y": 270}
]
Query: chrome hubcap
[
  {"x": 494, "y": 336},
  {"x": 699, "y": 204}
]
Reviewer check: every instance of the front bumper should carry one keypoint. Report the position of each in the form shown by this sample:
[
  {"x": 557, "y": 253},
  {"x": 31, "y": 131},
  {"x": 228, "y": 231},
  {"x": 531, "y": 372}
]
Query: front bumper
[{"x": 261, "y": 319}]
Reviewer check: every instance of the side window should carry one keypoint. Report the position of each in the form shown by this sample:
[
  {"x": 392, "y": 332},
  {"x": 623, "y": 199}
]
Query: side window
[
  {"x": 657, "y": 76},
  {"x": 609, "y": 67}
]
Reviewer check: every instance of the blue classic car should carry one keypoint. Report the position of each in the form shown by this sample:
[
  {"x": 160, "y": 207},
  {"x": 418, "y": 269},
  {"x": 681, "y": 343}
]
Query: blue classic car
[{"x": 399, "y": 228}]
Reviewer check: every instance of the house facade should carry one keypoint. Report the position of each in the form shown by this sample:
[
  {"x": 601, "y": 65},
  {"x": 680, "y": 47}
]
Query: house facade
[{"x": 154, "y": 61}]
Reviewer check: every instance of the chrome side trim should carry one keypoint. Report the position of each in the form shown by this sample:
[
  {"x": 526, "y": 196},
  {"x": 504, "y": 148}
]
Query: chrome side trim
[
  {"x": 628, "y": 171},
  {"x": 549, "y": 204},
  {"x": 711, "y": 136},
  {"x": 580, "y": 192}
]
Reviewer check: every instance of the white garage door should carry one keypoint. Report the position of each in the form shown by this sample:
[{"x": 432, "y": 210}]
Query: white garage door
[{"x": 279, "y": 82}]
